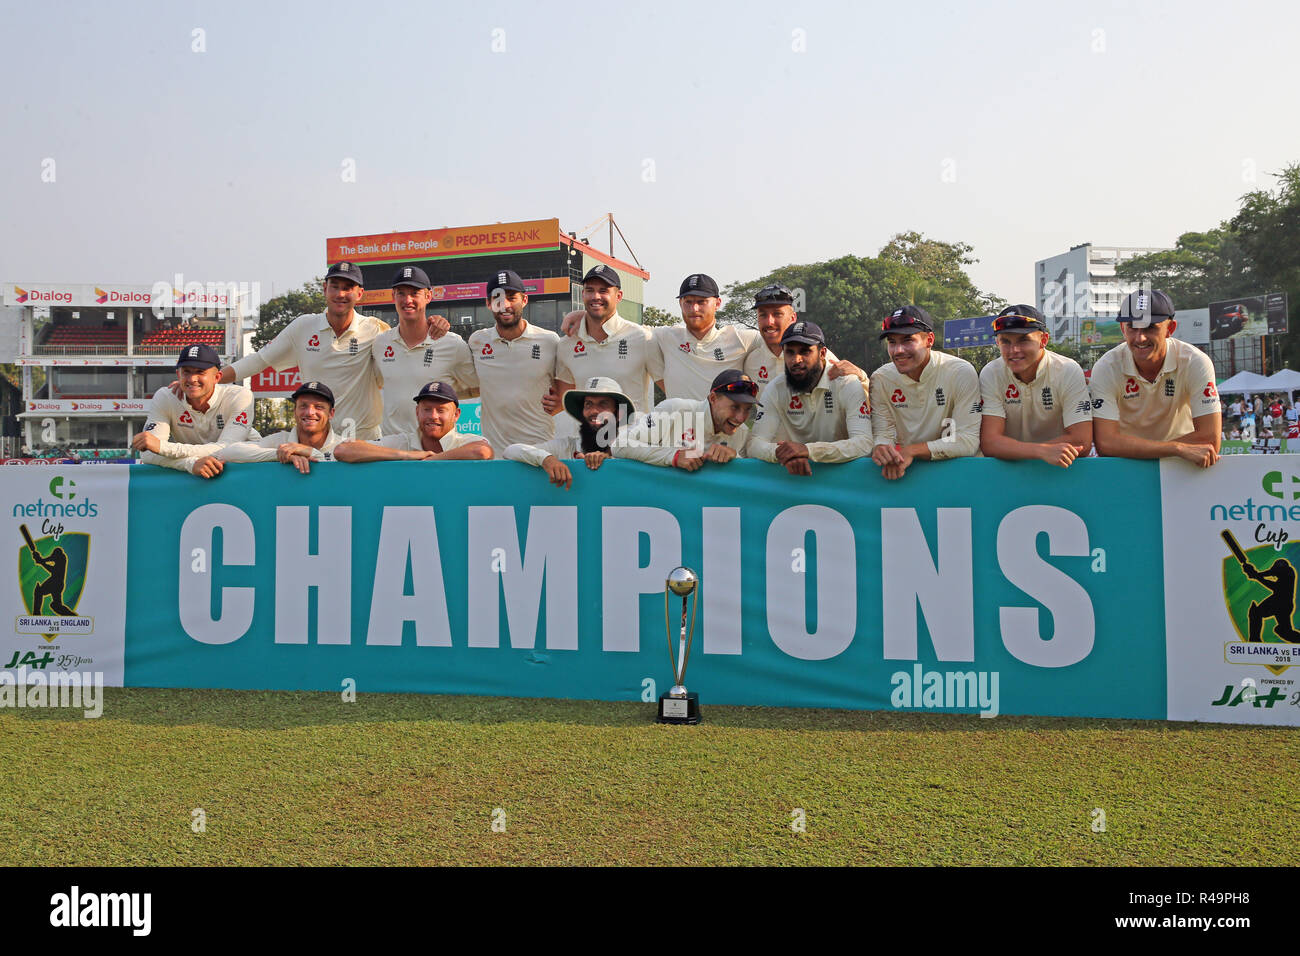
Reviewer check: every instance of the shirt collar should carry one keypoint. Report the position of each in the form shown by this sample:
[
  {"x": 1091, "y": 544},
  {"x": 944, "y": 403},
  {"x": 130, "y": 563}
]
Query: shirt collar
[{"x": 713, "y": 333}]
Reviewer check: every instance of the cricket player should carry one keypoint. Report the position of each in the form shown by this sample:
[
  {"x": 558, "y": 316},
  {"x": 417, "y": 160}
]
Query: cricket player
[
  {"x": 924, "y": 404},
  {"x": 803, "y": 415},
  {"x": 687, "y": 358},
  {"x": 410, "y": 355},
  {"x": 515, "y": 365},
  {"x": 179, "y": 432},
  {"x": 601, "y": 410},
  {"x": 685, "y": 432},
  {"x": 1036, "y": 402},
  {"x": 334, "y": 348},
  {"x": 604, "y": 344},
  {"x": 1154, "y": 396},
  {"x": 437, "y": 409},
  {"x": 312, "y": 439},
  {"x": 774, "y": 305}
]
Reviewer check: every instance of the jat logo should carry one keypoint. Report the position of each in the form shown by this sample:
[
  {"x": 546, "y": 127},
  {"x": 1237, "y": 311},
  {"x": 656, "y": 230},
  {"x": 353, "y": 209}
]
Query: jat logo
[
  {"x": 1012, "y": 391},
  {"x": 898, "y": 397},
  {"x": 1131, "y": 387},
  {"x": 388, "y": 352},
  {"x": 314, "y": 342},
  {"x": 579, "y": 348},
  {"x": 487, "y": 348},
  {"x": 762, "y": 373},
  {"x": 795, "y": 403},
  {"x": 100, "y": 295}
]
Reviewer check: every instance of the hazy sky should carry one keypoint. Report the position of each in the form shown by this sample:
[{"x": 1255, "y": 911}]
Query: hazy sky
[{"x": 769, "y": 133}]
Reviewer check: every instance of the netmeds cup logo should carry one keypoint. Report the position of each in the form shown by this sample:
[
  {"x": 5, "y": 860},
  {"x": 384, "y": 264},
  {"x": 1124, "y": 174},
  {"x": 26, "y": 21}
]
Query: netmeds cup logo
[
  {"x": 1259, "y": 591},
  {"x": 52, "y": 576}
]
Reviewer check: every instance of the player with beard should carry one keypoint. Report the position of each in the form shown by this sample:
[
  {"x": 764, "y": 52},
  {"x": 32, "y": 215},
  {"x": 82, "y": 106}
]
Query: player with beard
[
  {"x": 515, "y": 364},
  {"x": 804, "y": 415},
  {"x": 774, "y": 306},
  {"x": 599, "y": 409}
]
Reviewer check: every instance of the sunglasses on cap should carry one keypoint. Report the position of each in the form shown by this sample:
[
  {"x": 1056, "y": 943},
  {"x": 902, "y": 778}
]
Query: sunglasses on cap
[
  {"x": 1010, "y": 323},
  {"x": 738, "y": 388},
  {"x": 901, "y": 322},
  {"x": 773, "y": 292}
]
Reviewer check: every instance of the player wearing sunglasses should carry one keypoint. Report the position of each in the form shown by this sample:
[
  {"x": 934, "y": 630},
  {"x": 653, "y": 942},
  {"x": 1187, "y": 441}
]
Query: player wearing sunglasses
[
  {"x": 924, "y": 404},
  {"x": 686, "y": 433},
  {"x": 1036, "y": 402}
]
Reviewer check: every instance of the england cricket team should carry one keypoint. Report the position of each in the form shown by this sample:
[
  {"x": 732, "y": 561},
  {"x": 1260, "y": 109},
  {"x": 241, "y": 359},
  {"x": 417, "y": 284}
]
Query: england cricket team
[{"x": 775, "y": 393}]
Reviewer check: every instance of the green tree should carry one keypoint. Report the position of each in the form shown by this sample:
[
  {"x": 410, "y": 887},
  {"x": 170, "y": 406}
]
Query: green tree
[
  {"x": 1201, "y": 268},
  {"x": 280, "y": 310},
  {"x": 653, "y": 316},
  {"x": 850, "y": 296},
  {"x": 942, "y": 288},
  {"x": 1255, "y": 252}
]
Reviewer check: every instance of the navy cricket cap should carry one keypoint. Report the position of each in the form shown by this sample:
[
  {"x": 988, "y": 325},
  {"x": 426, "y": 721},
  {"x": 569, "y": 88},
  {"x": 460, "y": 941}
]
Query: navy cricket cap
[
  {"x": 905, "y": 321},
  {"x": 198, "y": 356},
  {"x": 736, "y": 385},
  {"x": 698, "y": 284},
  {"x": 313, "y": 388},
  {"x": 1019, "y": 318},
  {"x": 809, "y": 333},
  {"x": 412, "y": 276},
  {"x": 505, "y": 279},
  {"x": 439, "y": 392},
  {"x": 346, "y": 270},
  {"x": 1142, "y": 308},
  {"x": 605, "y": 274},
  {"x": 775, "y": 294}
]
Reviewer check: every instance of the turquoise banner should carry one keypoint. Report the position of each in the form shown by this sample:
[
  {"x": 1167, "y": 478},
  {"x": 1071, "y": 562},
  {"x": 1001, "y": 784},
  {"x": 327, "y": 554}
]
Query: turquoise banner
[{"x": 970, "y": 585}]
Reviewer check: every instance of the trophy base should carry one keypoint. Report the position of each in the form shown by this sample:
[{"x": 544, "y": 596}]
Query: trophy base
[{"x": 679, "y": 710}]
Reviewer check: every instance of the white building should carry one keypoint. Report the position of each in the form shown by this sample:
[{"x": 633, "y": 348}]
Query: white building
[
  {"x": 1081, "y": 284},
  {"x": 104, "y": 350}
]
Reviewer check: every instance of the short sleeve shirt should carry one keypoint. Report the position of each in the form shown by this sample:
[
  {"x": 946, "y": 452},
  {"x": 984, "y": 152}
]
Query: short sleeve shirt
[
  {"x": 688, "y": 365},
  {"x": 513, "y": 375},
  {"x": 1042, "y": 409},
  {"x": 624, "y": 356},
  {"x": 1160, "y": 410},
  {"x": 404, "y": 370}
]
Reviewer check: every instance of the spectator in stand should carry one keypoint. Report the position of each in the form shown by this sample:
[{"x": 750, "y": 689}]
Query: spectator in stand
[
  {"x": 1275, "y": 410},
  {"x": 1235, "y": 434}
]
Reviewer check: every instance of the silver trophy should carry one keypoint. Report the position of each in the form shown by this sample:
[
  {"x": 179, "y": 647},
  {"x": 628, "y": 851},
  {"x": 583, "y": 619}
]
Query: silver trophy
[{"x": 678, "y": 706}]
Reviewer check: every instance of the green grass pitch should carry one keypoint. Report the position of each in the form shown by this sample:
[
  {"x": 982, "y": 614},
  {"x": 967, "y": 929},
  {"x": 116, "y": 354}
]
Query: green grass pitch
[{"x": 306, "y": 778}]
